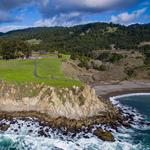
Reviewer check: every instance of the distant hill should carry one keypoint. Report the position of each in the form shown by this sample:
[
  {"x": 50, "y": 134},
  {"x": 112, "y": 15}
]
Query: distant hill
[
  {"x": 84, "y": 38},
  {"x": 1, "y": 33}
]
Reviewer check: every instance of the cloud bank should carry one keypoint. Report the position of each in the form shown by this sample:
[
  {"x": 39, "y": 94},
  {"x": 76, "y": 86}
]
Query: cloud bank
[
  {"x": 61, "y": 9},
  {"x": 63, "y": 12},
  {"x": 11, "y": 27},
  {"x": 58, "y": 7},
  {"x": 126, "y": 18}
]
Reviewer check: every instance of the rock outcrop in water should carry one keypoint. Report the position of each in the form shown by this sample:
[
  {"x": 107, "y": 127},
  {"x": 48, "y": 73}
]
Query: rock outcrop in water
[
  {"x": 4, "y": 127},
  {"x": 104, "y": 135}
]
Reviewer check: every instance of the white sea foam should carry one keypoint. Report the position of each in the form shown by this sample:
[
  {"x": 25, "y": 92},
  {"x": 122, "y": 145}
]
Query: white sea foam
[
  {"x": 128, "y": 95},
  {"x": 18, "y": 133},
  {"x": 132, "y": 111},
  {"x": 42, "y": 143},
  {"x": 21, "y": 136}
]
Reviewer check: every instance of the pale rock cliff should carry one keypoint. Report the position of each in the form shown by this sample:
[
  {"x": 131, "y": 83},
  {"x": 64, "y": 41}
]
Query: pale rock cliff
[{"x": 72, "y": 103}]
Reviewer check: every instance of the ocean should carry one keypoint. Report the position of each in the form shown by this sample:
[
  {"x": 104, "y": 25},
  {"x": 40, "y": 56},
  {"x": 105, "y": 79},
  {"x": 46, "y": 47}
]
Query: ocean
[{"x": 30, "y": 134}]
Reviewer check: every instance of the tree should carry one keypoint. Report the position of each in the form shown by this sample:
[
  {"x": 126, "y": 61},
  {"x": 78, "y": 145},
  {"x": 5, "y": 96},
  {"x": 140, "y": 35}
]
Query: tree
[
  {"x": 11, "y": 49},
  {"x": 8, "y": 50},
  {"x": 24, "y": 48}
]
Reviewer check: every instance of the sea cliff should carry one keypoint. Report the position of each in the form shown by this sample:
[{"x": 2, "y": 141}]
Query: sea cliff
[
  {"x": 67, "y": 108},
  {"x": 72, "y": 103}
]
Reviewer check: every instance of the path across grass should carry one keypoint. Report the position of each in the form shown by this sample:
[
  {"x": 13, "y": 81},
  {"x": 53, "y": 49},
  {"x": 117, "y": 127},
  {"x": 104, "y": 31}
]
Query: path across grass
[{"x": 48, "y": 70}]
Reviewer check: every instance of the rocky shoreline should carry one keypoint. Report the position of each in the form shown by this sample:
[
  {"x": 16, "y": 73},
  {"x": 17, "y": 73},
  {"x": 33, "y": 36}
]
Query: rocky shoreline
[
  {"x": 111, "y": 116},
  {"x": 112, "y": 119}
]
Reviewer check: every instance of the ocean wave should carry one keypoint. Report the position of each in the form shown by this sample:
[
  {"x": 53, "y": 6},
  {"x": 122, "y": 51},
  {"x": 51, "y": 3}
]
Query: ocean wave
[
  {"x": 128, "y": 95},
  {"x": 42, "y": 143},
  {"x": 127, "y": 110}
]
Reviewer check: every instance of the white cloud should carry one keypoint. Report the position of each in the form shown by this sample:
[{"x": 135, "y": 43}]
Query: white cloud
[
  {"x": 50, "y": 8},
  {"x": 5, "y": 17},
  {"x": 85, "y": 4},
  {"x": 65, "y": 12},
  {"x": 54, "y": 10},
  {"x": 72, "y": 12},
  {"x": 11, "y": 27},
  {"x": 62, "y": 20},
  {"x": 147, "y": 16},
  {"x": 126, "y": 18},
  {"x": 7, "y": 6}
]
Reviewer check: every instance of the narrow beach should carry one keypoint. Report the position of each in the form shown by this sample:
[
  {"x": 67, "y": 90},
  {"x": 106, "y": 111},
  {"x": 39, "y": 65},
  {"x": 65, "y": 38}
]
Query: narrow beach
[{"x": 108, "y": 89}]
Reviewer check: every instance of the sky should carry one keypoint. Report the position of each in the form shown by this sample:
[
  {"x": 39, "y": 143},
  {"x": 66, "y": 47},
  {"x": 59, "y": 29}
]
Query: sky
[{"x": 19, "y": 14}]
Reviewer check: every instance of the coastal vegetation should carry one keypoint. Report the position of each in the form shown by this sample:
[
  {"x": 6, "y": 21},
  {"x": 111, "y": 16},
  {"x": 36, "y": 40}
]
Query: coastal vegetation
[{"x": 83, "y": 38}]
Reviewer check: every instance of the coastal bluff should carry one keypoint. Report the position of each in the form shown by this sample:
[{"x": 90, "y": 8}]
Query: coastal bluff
[
  {"x": 72, "y": 103},
  {"x": 67, "y": 109}
]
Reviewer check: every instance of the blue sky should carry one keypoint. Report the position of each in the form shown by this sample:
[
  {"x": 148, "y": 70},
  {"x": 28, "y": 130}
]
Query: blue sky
[{"x": 18, "y": 14}]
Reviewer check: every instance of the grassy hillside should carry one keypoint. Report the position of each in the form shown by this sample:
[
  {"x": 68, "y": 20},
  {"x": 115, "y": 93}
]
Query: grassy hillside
[{"x": 48, "y": 72}]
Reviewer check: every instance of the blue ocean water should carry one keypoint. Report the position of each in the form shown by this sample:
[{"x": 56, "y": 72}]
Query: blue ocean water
[
  {"x": 24, "y": 134},
  {"x": 140, "y": 102},
  {"x": 142, "y": 105}
]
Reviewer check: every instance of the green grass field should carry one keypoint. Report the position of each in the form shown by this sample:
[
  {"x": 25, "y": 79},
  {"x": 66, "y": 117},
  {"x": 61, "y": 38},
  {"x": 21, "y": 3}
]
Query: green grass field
[{"x": 48, "y": 71}]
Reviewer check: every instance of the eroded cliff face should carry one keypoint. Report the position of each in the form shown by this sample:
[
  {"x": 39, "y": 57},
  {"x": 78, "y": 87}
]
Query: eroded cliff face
[{"x": 72, "y": 103}]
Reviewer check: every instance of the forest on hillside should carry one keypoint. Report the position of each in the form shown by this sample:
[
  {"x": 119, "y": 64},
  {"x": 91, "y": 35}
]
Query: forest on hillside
[{"x": 80, "y": 40}]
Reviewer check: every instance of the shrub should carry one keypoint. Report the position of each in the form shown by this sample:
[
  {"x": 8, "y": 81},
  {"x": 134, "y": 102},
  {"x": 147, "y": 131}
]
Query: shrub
[
  {"x": 115, "y": 57},
  {"x": 102, "y": 68},
  {"x": 104, "y": 56},
  {"x": 147, "y": 61},
  {"x": 73, "y": 56},
  {"x": 110, "y": 57},
  {"x": 130, "y": 72}
]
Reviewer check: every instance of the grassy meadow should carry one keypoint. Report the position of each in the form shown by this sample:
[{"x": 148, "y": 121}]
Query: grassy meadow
[{"x": 48, "y": 71}]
